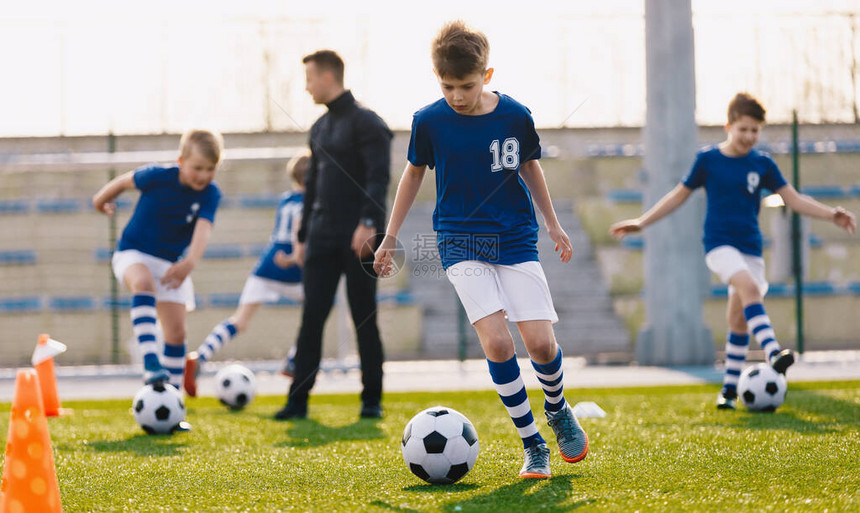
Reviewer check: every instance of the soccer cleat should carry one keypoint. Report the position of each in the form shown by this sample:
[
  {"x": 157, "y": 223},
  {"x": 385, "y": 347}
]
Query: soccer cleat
[
  {"x": 536, "y": 464},
  {"x": 727, "y": 400},
  {"x": 782, "y": 361},
  {"x": 182, "y": 427},
  {"x": 189, "y": 377},
  {"x": 156, "y": 377},
  {"x": 292, "y": 411},
  {"x": 572, "y": 440},
  {"x": 371, "y": 411},
  {"x": 289, "y": 369}
]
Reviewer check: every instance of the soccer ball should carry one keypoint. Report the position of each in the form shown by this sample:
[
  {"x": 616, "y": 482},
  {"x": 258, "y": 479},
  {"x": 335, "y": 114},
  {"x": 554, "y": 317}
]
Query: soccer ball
[
  {"x": 761, "y": 388},
  {"x": 235, "y": 386},
  {"x": 439, "y": 445},
  {"x": 158, "y": 408}
]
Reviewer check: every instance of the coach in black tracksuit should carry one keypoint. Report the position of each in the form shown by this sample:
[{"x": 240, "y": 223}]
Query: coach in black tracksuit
[{"x": 342, "y": 222}]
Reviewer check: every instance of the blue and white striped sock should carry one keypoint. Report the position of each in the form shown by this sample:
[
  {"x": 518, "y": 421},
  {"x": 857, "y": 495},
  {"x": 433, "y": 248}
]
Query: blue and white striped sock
[
  {"x": 220, "y": 335},
  {"x": 551, "y": 379},
  {"x": 509, "y": 384},
  {"x": 174, "y": 363},
  {"x": 759, "y": 324},
  {"x": 143, "y": 318},
  {"x": 736, "y": 354}
]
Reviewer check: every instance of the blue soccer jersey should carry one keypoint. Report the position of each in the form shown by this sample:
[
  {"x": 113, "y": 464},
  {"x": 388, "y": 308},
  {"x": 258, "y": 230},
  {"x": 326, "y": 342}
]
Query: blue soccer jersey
[
  {"x": 287, "y": 221},
  {"x": 166, "y": 213},
  {"x": 733, "y": 186},
  {"x": 483, "y": 208}
]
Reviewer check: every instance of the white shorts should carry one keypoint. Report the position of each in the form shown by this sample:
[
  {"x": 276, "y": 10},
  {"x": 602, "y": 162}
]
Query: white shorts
[
  {"x": 726, "y": 261},
  {"x": 184, "y": 294},
  {"x": 262, "y": 290},
  {"x": 520, "y": 290}
]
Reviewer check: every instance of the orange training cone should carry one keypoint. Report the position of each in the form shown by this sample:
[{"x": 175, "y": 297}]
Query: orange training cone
[
  {"x": 43, "y": 361},
  {"x": 29, "y": 478}
]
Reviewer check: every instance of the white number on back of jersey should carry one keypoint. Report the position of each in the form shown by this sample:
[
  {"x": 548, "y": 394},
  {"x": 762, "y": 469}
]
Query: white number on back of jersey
[
  {"x": 753, "y": 180},
  {"x": 505, "y": 155}
]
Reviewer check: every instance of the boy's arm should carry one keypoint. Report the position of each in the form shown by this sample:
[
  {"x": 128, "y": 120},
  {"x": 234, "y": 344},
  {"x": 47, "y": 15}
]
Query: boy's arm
[
  {"x": 407, "y": 190},
  {"x": 667, "y": 204},
  {"x": 177, "y": 272},
  {"x": 806, "y": 205},
  {"x": 532, "y": 174},
  {"x": 103, "y": 200}
]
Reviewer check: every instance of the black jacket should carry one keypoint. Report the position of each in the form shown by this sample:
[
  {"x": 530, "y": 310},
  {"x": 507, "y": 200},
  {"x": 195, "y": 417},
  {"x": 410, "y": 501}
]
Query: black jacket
[{"x": 348, "y": 176}]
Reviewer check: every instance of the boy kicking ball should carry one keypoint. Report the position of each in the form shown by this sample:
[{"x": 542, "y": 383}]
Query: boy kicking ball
[
  {"x": 733, "y": 175},
  {"x": 175, "y": 213},
  {"x": 484, "y": 149}
]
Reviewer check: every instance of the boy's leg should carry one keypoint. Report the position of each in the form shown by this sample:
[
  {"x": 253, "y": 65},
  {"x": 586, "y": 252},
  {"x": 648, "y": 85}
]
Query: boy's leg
[
  {"x": 505, "y": 371},
  {"x": 222, "y": 333},
  {"x": 546, "y": 357},
  {"x": 737, "y": 344},
  {"x": 759, "y": 322},
  {"x": 173, "y": 324},
  {"x": 139, "y": 281}
]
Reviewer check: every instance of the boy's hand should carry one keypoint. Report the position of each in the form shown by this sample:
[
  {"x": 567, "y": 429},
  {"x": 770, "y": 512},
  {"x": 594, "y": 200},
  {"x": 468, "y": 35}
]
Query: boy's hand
[
  {"x": 105, "y": 208},
  {"x": 299, "y": 253},
  {"x": 844, "y": 219},
  {"x": 562, "y": 242},
  {"x": 622, "y": 228},
  {"x": 383, "y": 257},
  {"x": 283, "y": 260},
  {"x": 176, "y": 274}
]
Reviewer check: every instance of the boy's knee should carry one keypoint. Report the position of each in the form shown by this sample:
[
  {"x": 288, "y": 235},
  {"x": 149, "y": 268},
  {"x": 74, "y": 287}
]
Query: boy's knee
[
  {"x": 140, "y": 284},
  {"x": 543, "y": 351}
]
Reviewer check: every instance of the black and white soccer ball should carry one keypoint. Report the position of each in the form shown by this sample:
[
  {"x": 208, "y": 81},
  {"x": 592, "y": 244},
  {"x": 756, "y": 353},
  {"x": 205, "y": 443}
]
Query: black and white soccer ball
[
  {"x": 235, "y": 386},
  {"x": 158, "y": 408},
  {"x": 761, "y": 388},
  {"x": 440, "y": 445}
]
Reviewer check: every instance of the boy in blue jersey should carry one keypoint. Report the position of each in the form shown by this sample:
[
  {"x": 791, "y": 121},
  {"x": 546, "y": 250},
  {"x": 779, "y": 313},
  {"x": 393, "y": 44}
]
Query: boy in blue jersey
[
  {"x": 175, "y": 212},
  {"x": 733, "y": 175},
  {"x": 484, "y": 149},
  {"x": 276, "y": 275}
]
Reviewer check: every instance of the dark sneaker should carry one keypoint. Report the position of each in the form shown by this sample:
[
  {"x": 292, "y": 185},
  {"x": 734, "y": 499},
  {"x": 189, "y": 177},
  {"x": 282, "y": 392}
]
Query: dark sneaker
[
  {"x": 182, "y": 427},
  {"x": 536, "y": 464},
  {"x": 572, "y": 440},
  {"x": 292, "y": 411},
  {"x": 192, "y": 370},
  {"x": 727, "y": 400},
  {"x": 371, "y": 411},
  {"x": 782, "y": 361}
]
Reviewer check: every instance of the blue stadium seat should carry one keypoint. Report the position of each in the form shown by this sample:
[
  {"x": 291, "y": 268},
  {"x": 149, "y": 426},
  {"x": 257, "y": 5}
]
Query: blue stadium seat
[
  {"x": 58, "y": 206},
  {"x": 825, "y": 191},
  {"x": 223, "y": 300},
  {"x": 18, "y": 257},
  {"x": 633, "y": 242},
  {"x": 624, "y": 196},
  {"x": 259, "y": 201},
  {"x": 14, "y": 206},
  {"x": 223, "y": 252},
  {"x": 72, "y": 303},
  {"x": 102, "y": 254},
  {"x": 818, "y": 288},
  {"x": 854, "y": 287},
  {"x": 123, "y": 302},
  {"x": 20, "y": 304}
]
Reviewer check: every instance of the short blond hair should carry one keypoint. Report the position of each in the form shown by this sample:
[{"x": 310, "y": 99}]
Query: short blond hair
[
  {"x": 208, "y": 143},
  {"x": 459, "y": 50},
  {"x": 297, "y": 167}
]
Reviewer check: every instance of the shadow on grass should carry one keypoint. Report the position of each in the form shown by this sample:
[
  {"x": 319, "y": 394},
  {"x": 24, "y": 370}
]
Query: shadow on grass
[
  {"x": 310, "y": 433},
  {"x": 832, "y": 414},
  {"x": 524, "y": 495},
  {"x": 143, "y": 445}
]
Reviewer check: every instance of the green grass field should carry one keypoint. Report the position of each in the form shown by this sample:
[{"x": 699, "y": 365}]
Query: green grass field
[{"x": 658, "y": 449}]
